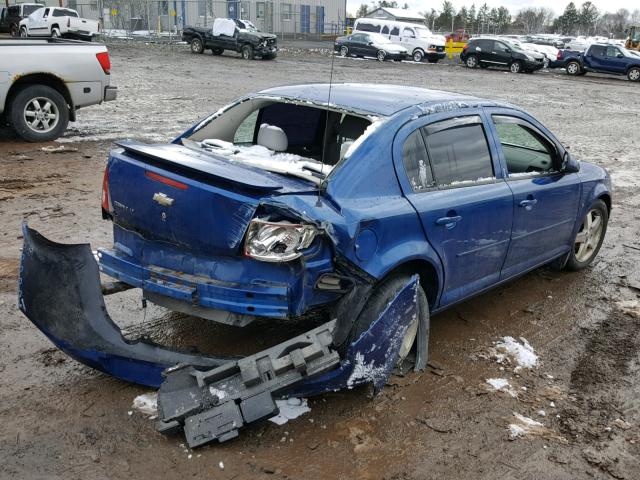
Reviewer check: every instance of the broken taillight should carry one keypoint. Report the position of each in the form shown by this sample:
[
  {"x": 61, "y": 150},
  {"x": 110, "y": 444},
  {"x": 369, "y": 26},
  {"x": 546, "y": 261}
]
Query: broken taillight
[
  {"x": 106, "y": 201},
  {"x": 105, "y": 63}
]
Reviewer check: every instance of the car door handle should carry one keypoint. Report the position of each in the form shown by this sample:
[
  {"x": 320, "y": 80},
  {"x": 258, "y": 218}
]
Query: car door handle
[
  {"x": 448, "y": 222},
  {"x": 530, "y": 202}
]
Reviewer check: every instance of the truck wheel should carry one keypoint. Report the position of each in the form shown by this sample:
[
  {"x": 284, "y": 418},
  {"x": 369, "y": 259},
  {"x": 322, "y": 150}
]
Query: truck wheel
[
  {"x": 589, "y": 238},
  {"x": 217, "y": 51},
  {"x": 247, "y": 52},
  {"x": 515, "y": 67},
  {"x": 380, "y": 298},
  {"x": 417, "y": 55},
  {"x": 573, "y": 68},
  {"x": 196, "y": 45},
  {"x": 55, "y": 33},
  {"x": 39, "y": 114},
  {"x": 23, "y": 32},
  {"x": 471, "y": 61},
  {"x": 634, "y": 74}
]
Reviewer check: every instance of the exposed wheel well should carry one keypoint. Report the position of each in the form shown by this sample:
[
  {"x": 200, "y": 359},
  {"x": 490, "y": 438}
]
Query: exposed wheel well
[
  {"x": 41, "y": 79},
  {"x": 429, "y": 280},
  {"x": 607, "y": 201}
]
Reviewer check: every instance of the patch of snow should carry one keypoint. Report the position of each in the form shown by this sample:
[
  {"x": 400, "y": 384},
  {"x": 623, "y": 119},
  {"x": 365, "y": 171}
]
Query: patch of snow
[
  {"x": 289, "y": 409},
  {"x": 510, "y": 350},
  {"x": 502, "y": 385},
  {"x": 363, "y": 373},
  {"x": 146, "y": 403},
  {"x": 221, "y": 465},
  {"x": 522, "y": 426},
  {"x": 221, "y": 394},
  {"x": 367, "y": 133},
  {"x": 542, "y": 413}
]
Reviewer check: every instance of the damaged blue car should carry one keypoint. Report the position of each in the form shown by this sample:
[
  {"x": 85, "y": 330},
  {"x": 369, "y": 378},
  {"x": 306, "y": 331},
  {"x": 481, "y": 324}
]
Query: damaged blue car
[{"x": 373, "y": 205}]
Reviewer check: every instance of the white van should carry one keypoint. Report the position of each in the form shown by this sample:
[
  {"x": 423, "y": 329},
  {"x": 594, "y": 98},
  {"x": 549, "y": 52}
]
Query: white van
[{"x": 415, "y": 37}]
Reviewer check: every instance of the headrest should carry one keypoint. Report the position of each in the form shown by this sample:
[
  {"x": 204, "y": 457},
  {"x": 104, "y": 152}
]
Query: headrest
[
  {"x": 353, "y": 127},
  {"x": 273, "y": 138}
]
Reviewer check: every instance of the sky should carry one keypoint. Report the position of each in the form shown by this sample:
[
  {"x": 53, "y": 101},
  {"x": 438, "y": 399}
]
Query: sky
[{"x": 513, "y": 5}]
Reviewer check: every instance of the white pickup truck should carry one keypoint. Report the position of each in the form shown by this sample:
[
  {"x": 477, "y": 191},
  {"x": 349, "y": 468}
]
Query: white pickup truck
[
  {"x": 58, "y": 22},
  {"x": 44, "y": 81}
]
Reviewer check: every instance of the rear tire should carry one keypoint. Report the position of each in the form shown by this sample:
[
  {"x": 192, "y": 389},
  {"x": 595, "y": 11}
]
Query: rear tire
[
  {"x": 589, "y": 238},
  {"x": 634, "y": 74},
  {"x": 39, "y": 113},
  {"x": 573, "y": 68},
  {"x": 382, "y": 294},
  {"x": 14, "y": 30},
  {"x": 247, "y": 52},
  {"x": 196, "y": 45},
  {"x": 55, "y": 33},
  {"x": 471, "y": 61}
]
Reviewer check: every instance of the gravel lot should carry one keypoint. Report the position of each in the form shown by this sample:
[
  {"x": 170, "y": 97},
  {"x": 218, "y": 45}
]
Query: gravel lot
[{"x": 63, "y": 420}]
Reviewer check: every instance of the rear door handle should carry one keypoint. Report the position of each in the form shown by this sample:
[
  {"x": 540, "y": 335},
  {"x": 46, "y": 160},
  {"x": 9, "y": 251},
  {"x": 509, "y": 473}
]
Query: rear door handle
[{"x": 448, "y": 222}]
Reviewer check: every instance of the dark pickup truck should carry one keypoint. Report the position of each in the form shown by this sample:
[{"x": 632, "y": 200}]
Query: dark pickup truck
[
  {"x": 231, "y": 34},
  {"x": 10, "y": 17},
  {"x": 602, "y": 58}
]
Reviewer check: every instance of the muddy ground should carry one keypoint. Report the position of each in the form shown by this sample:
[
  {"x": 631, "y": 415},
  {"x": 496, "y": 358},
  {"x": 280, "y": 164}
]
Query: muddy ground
[{"x": 60, "y": 419}]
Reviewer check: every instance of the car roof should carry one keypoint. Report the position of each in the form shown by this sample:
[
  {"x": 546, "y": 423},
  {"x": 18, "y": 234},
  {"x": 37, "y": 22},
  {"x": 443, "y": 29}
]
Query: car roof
[{"x": 371, "y": 99}]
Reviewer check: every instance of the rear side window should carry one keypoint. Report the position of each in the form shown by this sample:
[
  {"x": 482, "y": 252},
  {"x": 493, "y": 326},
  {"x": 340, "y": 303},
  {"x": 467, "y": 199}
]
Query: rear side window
[
  {"x": 368, "y": 27},
  {"x": 385, "y": 30},
  {"x": 484, "y": 45},
  {"x": 416, "y": 163},
  {"x": 459, "y": 154}
]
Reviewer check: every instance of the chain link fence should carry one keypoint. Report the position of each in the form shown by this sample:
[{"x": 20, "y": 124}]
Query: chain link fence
[{"x": 164, "y": 20}]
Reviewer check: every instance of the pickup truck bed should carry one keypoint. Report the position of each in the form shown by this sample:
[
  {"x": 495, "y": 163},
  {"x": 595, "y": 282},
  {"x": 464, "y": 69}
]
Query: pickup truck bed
[{"x": 44, "y": 81}]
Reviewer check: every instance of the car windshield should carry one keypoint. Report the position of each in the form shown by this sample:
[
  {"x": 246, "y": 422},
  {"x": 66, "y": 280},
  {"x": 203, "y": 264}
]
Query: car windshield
[
  {"x": 379, "y": 39},
  {"x": 247, "y": 25},
  {"x": 423, "y": 32},
  {"x": 288, "y": 138}
]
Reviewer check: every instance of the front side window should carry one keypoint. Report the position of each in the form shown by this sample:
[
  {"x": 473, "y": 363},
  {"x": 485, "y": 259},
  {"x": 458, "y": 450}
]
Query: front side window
[
  {"x": 612, "y": 52},
  {"x": 459, "y": 154},
  {"x": 416, "y": 162},
  {"x": 501, "y": 47},
  {"x": 525, "y": 150}
]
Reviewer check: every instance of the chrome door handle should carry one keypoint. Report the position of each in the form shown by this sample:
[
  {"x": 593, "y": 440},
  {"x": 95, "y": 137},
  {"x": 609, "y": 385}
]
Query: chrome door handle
[
  {"x": 448, "y": 222},
  {"x": 529, "y": 203}
]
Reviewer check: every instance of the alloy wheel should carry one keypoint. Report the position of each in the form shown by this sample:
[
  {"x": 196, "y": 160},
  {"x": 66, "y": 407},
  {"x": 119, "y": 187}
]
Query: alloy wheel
[
  {"x": 41, "y": 115},
  {"x": 344, "y": 51},
  {"x": 588, "y": 238}
]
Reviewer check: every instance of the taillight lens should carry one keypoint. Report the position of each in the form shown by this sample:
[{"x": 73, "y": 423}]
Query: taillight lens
[
  {"x": 465, "y": 46},
  {"x": 106, "y": 203},
  {"x": 559, "y": 56},
  {"x": 277, "y": 241},
  {"x": 104, "y": 61}
]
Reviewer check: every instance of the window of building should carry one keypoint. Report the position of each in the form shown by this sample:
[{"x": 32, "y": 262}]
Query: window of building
[
  {"x": 260, "y": 10},
  {"x": 286, "y": 11}
]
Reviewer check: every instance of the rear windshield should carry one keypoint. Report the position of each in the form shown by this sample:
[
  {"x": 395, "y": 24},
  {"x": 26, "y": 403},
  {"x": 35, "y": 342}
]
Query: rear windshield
[
  {"x": 301, "y": 140},
  {"x": 62, "y": 12},
  {"x": 29, "y": 9}
]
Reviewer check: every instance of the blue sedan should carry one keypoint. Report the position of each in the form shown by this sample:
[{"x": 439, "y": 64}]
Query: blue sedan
[{"x": 331, "y": 200}]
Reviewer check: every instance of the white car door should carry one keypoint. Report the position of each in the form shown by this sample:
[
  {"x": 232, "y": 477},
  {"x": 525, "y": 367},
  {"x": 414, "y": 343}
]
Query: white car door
[
  {"x": 408, "y": 37},
  {"x": 37, "y": 24}
]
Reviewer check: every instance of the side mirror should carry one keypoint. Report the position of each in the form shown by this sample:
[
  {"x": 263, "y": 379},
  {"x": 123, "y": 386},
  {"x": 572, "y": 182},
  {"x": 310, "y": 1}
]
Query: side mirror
[
  {"x": 619, "y": 55},
  {"x": 370, "y": 43},
  {"x": 507, "y": 50},
  {"x": 569, "y": 164}
]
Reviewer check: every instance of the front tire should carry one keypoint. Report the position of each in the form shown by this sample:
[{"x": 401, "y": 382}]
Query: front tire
[
  {"x": 634, "y": 74},
  {"x": 573, "y": 68},
  {"x": 417, "y": 55},
  {"x": 247, "y": 52},
  {"x": 515, "y": 67},
  {"x": 381, "y": 55},
  {"x": 344, "y": 51},
  {"x": 23, "y": 32},
  {"x": 471, "y": 61},
  {"x": 39, "y": 114},
  {"x": 196, "y": 45},
  {"x": 381, "y": 296},
  {"x": 588, "y": 240}
]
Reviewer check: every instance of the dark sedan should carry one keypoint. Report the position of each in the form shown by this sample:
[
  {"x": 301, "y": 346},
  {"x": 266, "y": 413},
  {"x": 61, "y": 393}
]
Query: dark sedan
[{"x": 369, "y": 45}]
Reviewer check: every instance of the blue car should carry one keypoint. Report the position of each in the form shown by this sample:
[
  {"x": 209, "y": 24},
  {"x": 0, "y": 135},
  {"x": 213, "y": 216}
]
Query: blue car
[{"x": 328, "y": 201}]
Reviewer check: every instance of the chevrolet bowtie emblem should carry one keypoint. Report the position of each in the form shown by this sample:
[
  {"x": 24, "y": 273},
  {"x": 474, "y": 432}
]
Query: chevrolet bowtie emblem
[{"x": 162, "y": 199}]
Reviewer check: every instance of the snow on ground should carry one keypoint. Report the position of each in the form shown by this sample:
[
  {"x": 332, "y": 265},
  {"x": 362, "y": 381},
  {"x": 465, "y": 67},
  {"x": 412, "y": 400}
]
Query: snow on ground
[
  {"x": 502, "y": 385},
  {"x": 146, "y": 403},
  {"x": 509, "y": 350},
  {"x": 289, "y": 409},
  {"x": 523, "y": 426}
]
